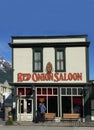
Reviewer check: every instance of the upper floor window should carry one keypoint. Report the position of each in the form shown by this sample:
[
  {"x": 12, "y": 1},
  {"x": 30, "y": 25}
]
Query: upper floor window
[
  {"x": 37, "y": 60},
  {"x": 60, "y": 59}
]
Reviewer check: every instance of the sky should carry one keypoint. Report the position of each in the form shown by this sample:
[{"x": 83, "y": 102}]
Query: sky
[{"x": 46, "y": 18}]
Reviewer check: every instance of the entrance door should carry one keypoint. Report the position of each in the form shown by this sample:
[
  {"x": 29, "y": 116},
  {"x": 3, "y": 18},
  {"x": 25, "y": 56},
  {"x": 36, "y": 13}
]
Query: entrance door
[{"x": 25, "y": 110}]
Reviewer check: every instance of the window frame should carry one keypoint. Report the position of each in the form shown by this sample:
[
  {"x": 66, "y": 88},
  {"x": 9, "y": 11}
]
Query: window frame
[
  {"x": 60, "y": 50},
  {"x": 40, "y": 50}
]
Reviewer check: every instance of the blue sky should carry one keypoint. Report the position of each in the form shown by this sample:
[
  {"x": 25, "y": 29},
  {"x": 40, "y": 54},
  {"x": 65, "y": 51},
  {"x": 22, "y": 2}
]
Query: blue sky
[{"x": 46, "y": 17}]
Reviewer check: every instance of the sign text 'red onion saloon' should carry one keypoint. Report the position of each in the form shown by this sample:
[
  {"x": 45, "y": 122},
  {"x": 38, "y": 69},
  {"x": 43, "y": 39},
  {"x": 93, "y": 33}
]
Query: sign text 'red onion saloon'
[{"x": 55, "y": 77}]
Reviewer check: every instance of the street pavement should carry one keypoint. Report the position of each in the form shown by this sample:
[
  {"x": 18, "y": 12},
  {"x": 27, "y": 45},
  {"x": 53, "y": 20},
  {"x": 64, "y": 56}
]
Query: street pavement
[
  {"x": 43, "y": 128},
  {"x": 50, "y": 125}
]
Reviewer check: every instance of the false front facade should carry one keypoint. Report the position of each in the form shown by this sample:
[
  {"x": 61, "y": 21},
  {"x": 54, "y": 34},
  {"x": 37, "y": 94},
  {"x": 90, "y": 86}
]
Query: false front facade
[{"x": 53, "y": 70}]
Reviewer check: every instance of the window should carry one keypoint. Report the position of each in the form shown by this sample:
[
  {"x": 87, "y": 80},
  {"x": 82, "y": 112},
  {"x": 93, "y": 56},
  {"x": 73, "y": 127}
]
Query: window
[
  {"x": 24, "y": 91},
  {"x": 74, "y": 90},
  {"x": 60, "y": 59},
  {"x": 37, "y": 60},
  {"x": 68, "y": 91}
]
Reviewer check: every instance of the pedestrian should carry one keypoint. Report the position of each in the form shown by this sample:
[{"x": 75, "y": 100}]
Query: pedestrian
[
  {"x": 42, "y": 112},
  {"x": 38, "y": 112}
]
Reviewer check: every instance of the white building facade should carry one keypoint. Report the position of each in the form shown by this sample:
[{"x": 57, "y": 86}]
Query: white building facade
[{"x": 53, "y": 70}]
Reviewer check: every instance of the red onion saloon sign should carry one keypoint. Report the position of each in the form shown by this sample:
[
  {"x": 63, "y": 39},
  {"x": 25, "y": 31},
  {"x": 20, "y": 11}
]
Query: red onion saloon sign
[{"x": 54, "y": 77}]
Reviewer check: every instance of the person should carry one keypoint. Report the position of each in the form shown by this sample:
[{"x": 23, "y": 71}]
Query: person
[
  {"x": 42, "y": 112},
  {"x": 38, "y": 112}
]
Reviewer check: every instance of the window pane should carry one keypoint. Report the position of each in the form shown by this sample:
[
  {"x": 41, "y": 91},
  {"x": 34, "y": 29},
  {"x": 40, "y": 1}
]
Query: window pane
[
  {"x": 63, "y": 91},
  {"x": 29, "y": 106},
  {"x": 50, "y": 91},
  {"x": 44, "y": 91},
  {"x": 37, "y": 60},
  {"x": 38, "y": 90},
  {"x": 68, "y": 91},
  {"x": 55, "y": 91},
  {"x": 60, "y": 60},
  {"x": 80, "y": 91},
  {"x": 58, "y": 65},
  {"x": 57, "y": 55},
  {"x": 37, "y": 66},
  {"x": 21, "y": 106},
  {"x": 62, "y": 65},
  {"x": 37, "y": 56},
  {"x": 74, "y": 91},
  {"x": 28, "y": 91},
  {"x": 60, "y": 55},
  {"x": 21, "y": 91}
]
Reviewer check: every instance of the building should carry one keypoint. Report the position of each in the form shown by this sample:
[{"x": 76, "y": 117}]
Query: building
[
  {"x": 53, "y": 70},
  {"x": 5, "y": 99}
]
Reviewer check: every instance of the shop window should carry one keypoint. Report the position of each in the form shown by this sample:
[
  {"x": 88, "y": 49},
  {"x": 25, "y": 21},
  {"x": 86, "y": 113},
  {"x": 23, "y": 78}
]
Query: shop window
[
  {"x": 74, "y": 90},
  {"x": 80, "y": 91},
  {"x": 54, "y": 91},
  {"x": 63, "y": 91},
  {"x": 28, "y": 91},
  {"x": 66, "y": 104},
  {"x": 39, "y": 91},
  {"x": 50, "y": 91},
  {"x": 60, "y": 60},
  {"x": 37, "y": 60},
  {"x": 68, "y": 91},
  {"x": 21, "y": 91},
  {"x": 43, "y": 90}
]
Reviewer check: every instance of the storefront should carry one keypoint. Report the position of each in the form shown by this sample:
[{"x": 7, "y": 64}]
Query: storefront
[{"x": 53, "y": 70}]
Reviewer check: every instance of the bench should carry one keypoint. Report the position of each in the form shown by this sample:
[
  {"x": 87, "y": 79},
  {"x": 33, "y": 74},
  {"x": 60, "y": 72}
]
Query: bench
[
  {"x": 71, "y": 116},
  {"x": 50, "y": 116}
]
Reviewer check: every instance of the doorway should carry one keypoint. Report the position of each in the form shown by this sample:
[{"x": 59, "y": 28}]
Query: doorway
[{"x": 25, "y": 109}]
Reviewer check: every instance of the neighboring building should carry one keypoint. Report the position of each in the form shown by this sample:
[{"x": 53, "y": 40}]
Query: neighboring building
[
  {"x": 5, "y": 99},
  {"x": 92, "y": 99},
  {"x": 53, "y": 70},
  {"x": 5, "y": 94}
]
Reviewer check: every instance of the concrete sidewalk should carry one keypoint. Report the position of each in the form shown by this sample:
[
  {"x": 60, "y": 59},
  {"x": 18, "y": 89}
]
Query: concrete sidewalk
[{"x": 57, "y": 124}]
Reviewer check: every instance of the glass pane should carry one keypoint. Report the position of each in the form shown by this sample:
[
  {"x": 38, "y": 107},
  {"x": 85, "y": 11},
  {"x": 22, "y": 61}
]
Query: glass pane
[
  {"x": 62, "y": 65},
  {"x": 60, "y": 55},
  {"x": 77, "y": 104},
  {"x": 21, "y": 91},
  {"x": 21, "y": 106},
  {"x": 63, "y": 91},
  {"x": 66, "y": 104},
  {"x": 55, "y": 91},
  {"x": 29, "y": 106},
  {"x": 58, "y": 65},
  {"x": 39, "y": 91},
  {"x": 37, "y": 66},
  {"x": 57, "y": 55},
  {"x": 74, "y": 90},
  {"x": 28, "y": 91},
  {"x": 80, "y": 91},
  {"x": 37, "y": 56},
  {"x": 50, "y": 91},
  {"x": 68, "y": 91},
  {"x": 44, "y": 91}
]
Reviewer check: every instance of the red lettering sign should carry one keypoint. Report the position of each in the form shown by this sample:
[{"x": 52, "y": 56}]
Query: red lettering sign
[{"x": 55, "y": 77}]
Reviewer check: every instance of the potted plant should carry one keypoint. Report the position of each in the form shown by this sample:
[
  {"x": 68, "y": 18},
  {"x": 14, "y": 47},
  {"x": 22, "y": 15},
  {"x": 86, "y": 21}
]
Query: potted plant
[
  {"x": 10, "y": 115},
  {"x": 10, "y": 119}
]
